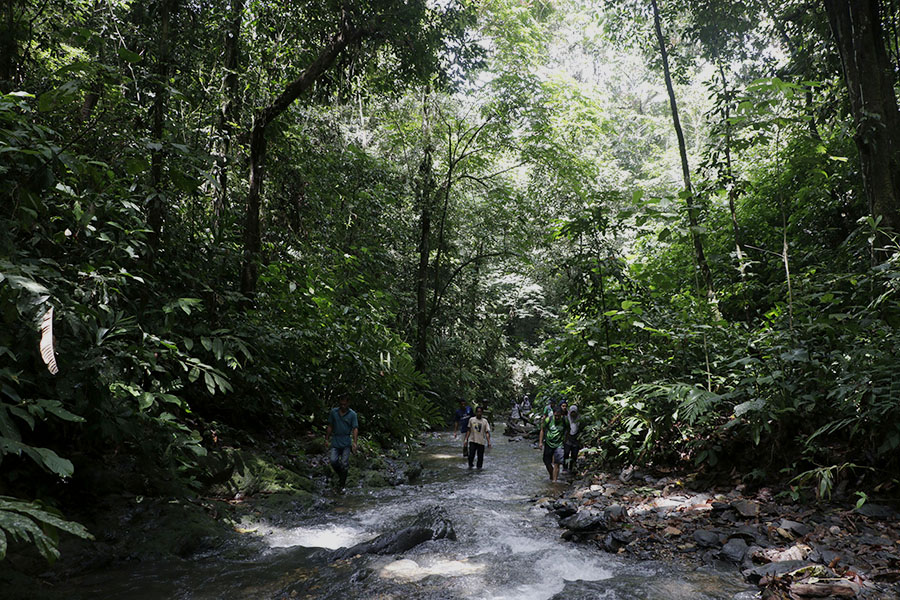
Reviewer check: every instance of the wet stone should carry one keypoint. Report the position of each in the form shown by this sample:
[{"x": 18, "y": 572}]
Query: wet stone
[
  {"x": 585, "y": 520},
  {"x": 746, "y": 508},
  {"x": 875, "y": 540},
  {"x": 698, "y": 499},
  {"x": 734, "y": 550},
  {"x": 616, "y": 512},
  {"x": 615, "y": 540},
  {"x": 798, "y": 529},
  {"x": 877, "y": 511},
  {"x": 706, "y": 538},
  {"x": 729, "y": 516},
  {"x": 564, "y": 508},
  {"x": 748, "y": 533}
]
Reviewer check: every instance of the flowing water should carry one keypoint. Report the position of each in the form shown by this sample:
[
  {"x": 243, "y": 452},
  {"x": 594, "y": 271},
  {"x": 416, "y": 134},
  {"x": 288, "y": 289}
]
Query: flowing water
[{"x": 505, "y": 548}]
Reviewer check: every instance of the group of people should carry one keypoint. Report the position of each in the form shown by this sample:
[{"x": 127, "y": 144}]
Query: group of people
[
  {"x": 560, "y": 430},
  {"x": 558, "y": 438}
]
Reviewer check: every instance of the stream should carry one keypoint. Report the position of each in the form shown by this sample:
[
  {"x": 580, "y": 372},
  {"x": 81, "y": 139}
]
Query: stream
[{"x": 505, "y": 549}]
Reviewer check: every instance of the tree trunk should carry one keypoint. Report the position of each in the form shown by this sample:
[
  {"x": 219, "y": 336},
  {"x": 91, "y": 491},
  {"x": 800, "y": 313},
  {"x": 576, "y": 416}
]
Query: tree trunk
[
  {"x": 229, "y": 110},
  {"x": 797, "y": 58},
  {"x": 685, "y": 168},
  {"x": 252, "y": 231},
  {"x": 424, "y": 255},
  {"x": 156, "y": 209},
  {"x": 9, "y": 46},
  {"x": 424, "y": 196},
  {"x": 732, "y": 190},
  {"x": 869, "y": 77}
]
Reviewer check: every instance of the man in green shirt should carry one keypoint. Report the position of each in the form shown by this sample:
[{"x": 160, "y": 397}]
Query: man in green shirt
[{"x": 550, "y": 440}]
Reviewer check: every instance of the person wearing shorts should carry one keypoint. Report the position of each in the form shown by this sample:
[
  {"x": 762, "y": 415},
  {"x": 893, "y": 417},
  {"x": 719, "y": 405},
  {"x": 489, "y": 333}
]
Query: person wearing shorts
[{"x": 550, "y": 440}]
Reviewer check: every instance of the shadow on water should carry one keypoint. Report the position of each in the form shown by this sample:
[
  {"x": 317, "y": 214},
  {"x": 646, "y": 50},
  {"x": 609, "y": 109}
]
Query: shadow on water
[{"x": 505, "y": 548}]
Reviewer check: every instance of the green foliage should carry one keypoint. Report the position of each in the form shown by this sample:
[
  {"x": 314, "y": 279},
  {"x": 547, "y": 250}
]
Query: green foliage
[
  {"x": 561, "y": 262},
  {"x": 32, "y": 522}
]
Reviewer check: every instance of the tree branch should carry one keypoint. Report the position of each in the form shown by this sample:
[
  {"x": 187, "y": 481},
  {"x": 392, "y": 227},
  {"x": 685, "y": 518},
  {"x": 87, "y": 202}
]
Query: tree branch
[{"x": 439, "y": 296}]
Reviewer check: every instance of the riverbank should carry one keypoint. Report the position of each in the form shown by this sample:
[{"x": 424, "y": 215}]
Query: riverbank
[
  {"x": 788, "y": 550},
  {"x": 254, "y": 488}
]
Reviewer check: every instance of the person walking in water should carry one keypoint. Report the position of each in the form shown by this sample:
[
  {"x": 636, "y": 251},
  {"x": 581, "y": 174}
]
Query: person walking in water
[
  {"x": 550, "y": 440},
  {"x": 461, "y": 422},
  {"x": 478, "y": 435},
  {"x": 344, "y": 424},
  {"x": 571, "y": 445}
]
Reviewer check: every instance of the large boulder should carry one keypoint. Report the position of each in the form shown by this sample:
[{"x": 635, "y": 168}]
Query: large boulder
[
  {"x": 431, "y": 524},
  {"x": 585, "y": 520}
]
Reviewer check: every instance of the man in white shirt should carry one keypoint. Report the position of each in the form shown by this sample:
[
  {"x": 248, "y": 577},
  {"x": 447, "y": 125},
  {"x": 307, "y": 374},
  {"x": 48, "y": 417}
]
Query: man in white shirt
[{"x": 477, "y": 436}]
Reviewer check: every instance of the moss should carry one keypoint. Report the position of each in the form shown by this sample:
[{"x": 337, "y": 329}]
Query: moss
[
  {"x": 259, "y": 474},
  {"x": 370, "y": 478},
  {"x": 175, "y": 528},
  {"x": 282, "y": 506}
]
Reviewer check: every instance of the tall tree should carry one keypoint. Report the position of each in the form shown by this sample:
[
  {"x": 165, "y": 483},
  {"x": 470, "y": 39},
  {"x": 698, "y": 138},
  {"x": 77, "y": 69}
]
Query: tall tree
[
  {"x": 347, "y": 34},
  {"x": 156, "y": 209},
  {"x": 415, "y": 35},
  {"x": 424, "y": 201},
  {"x": 228, "y": 112},
  {"x": 693, "y": 218},
  {"x": 869, "y": 76}
]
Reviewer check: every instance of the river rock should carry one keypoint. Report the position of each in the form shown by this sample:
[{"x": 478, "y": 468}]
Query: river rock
[
  {"x": 615, "y": 513},
  {"x": 431, "y": 524},
  {"x": 798, "y": 552},
  {"x": 585, "y": 520},
  {"x": 877, "y": 511},
  {"x": 748, "y": 533},
  {"x": 615, "y": 540},
  {"x": 774, "y": 569},
  {"x": 734, "y": 550},
  {"x": 707, "y": 539},
  {"x": 798, "y": 529},
  {"x": 746, "y": 508},
  {"x": 564, "y": 508},
  {"x": 671, "y": 532},
  {"x": 875, "y": 540}
]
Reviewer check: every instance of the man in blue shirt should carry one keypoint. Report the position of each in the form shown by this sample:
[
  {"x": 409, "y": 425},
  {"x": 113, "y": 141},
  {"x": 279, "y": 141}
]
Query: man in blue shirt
[
  {"x": 343, "y": 423},
  {"x": 461, "y": 423}
]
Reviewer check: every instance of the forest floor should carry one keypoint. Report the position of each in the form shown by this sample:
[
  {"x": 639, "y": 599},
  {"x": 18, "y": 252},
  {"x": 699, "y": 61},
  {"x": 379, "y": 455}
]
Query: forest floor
[{"x": 790, "y": 549}]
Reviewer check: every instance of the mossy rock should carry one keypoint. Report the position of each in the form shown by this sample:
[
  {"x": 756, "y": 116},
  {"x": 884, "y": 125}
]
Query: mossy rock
[
  {"x": 176, "y": 528},
  {"x": 259, "y": 475},
  {"x": 315, "y": 445},
  {"x": 370, "y": 478},
  {"x": 283, "y": 506},
  {"x": 377, "y": 463}
]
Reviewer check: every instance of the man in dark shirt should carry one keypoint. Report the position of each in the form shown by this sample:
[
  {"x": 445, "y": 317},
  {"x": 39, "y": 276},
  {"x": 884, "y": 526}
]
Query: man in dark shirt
[
  {"x": 343, "y": 422},
  {"x": 461, "y": 423}
]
